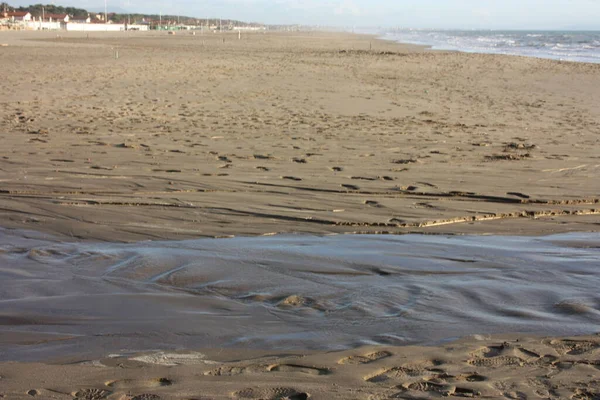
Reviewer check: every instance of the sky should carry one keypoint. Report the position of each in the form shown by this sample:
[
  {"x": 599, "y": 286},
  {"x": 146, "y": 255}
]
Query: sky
[{"x": 457, "y": 14}]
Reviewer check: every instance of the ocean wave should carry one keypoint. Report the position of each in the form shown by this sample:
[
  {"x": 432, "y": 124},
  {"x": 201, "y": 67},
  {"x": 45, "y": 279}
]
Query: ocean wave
[{"x": 570, "y": 46}]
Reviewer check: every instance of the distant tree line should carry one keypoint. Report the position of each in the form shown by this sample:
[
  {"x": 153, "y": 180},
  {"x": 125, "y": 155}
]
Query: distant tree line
[
  {"x": 36, "y": 11},
  {"x": 174, "y": 19}
]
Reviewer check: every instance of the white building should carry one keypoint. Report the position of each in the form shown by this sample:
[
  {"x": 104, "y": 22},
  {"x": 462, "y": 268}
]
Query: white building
[
  {"x": 62, "y": 18},
  {"x": 80, "y": 20},
  {"x": 17, "y": 16},
  {"x": 86, "y": 27},
  {"x": 249, "y": 28}
]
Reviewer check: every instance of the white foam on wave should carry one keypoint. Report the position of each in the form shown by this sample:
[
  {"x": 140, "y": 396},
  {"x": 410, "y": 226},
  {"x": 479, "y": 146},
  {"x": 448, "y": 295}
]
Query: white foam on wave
[{"x": 568, "y": 46}]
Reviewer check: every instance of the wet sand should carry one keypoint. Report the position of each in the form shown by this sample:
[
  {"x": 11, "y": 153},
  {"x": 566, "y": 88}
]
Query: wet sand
[
  {"x": 67, "y": 300},
  {"x": 209, "y": 136},
  {"x": 296, "y": 317},
  {"x": 186, "y": 136}
]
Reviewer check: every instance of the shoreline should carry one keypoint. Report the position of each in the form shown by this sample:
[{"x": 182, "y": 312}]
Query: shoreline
[{"x": 433, "y": 47}]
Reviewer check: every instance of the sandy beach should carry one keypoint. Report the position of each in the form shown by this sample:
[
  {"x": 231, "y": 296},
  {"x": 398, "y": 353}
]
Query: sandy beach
[
  {"x": 117, "y": 139},
  {"x": 477, "y": 368},
  {"x": 206, "y": 136}
]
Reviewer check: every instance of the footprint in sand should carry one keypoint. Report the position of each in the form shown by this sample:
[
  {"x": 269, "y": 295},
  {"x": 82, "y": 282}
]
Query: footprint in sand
[
  {"x": 584, "y": 394},
  {"x": 262, "y": 157},
  {"x": 425, "y": 368},
  {"x": 497, "y": 356},
  {"x": 146, "y": 396},
  {"x": 518, "y": 194},
  {"x": 547, "y": 360},
  {"x": 132, "y": 383},
  {"x": 390, "y": 374},
  {"x": 272, "y": 394},
  {"x": 62, "y": 160},
  {"x": 372, "y": 203},
  {"x": 404, "y": 161},
  {"x": 507, "y": 157},
  {"x": 169, "y": 171},
  {"x": 263, "y": 368},
  {"x": 298, "y": 368},
  {"x": 528, "y": 354},
  {"x": 292, "y": 178},
  {"x": 515, "y": 395},
  {"x": 350, "y": 187},
  {"x": 444, "y": 390},
  {"x": 574, "y": 347},
  {"x": 233, "y": 371},
  {"x": 507, "y": 354},
  {"x": 471, "y": 378},
  {"x": 366, "y": 359},
  {"x": 91, "y": 394}
]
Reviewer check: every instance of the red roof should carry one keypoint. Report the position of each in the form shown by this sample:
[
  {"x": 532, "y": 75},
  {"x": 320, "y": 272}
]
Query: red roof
[
  {"x": 55, "y": 16},
  {"x": 16, "y": 14}
]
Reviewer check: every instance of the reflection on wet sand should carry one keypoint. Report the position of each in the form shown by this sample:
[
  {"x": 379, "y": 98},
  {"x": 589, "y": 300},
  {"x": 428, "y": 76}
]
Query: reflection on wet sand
[{"x": 290, "y": 292}]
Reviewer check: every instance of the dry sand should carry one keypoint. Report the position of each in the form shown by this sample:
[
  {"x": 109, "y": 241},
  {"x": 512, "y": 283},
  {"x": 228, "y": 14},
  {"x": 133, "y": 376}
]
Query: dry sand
[
  {"x": 567, "y": 368},
  {"x": 187, "y": 136}
]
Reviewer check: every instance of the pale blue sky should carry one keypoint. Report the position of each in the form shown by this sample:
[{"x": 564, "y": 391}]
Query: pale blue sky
[{"x": 493, "y": 14}]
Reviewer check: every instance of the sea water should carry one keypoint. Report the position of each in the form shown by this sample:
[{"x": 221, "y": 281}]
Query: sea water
[{"x": 582, "y": 46}]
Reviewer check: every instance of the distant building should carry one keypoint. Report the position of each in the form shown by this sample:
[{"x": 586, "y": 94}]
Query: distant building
[
  {"x": 62, "y": 18},
  {"x": 17, "y": 16},
  {"x": 249, "y": 28},
  {"x": 81, "y": 20}
]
